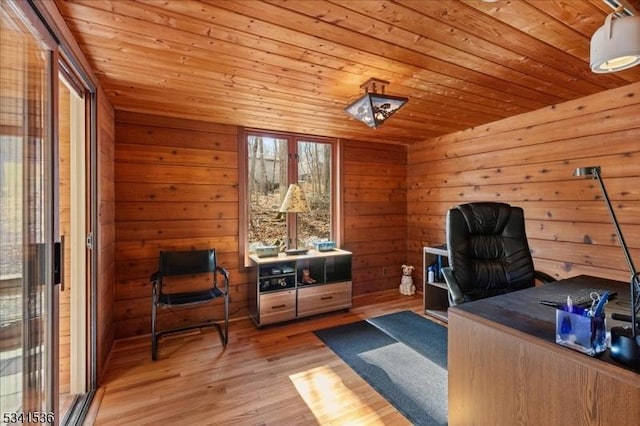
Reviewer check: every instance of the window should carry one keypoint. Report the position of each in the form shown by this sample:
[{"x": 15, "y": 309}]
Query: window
[{"x": 273, "y": 161}]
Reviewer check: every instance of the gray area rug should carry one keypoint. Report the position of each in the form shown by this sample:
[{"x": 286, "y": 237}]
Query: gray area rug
[{"x": 403, "y": 356}]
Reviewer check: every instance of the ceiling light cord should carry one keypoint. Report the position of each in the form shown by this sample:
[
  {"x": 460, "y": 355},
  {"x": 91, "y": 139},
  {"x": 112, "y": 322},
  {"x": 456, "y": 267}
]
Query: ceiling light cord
[{"x": 621, "y": 8}]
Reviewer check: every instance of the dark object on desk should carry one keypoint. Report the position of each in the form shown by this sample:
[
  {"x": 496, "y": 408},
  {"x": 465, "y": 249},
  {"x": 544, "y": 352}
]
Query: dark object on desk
[
  {"x": 488, "y": 252},
  {"x": 188, "y": 264},
  {"x": 291, "y": 252},
  {"x": 625, "y": 341},
  {"x": 625, "y": 346},
  {"x": 623, "y": 317},
  {"x": 580, "y": 297}
]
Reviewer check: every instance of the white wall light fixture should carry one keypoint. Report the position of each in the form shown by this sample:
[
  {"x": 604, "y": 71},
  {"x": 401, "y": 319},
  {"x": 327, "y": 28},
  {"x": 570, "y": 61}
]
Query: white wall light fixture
[{"x": 615, "y": 46}]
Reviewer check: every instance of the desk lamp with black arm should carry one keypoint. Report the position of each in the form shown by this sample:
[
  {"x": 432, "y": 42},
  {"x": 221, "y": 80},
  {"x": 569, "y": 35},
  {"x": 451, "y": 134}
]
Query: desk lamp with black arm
[{"x": 625, "y": 341}]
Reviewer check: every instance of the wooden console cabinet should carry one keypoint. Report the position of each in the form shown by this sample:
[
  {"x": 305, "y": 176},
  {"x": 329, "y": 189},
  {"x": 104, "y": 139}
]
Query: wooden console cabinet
[{"x": 278, "y": 292}]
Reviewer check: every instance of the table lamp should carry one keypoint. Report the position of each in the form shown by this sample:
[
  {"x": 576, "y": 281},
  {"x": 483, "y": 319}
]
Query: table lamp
[
  {"x": 294, "y": 202},
  {"x": 625, "y": 342}
]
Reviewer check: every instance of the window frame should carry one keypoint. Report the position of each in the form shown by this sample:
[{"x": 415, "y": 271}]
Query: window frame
[{"x": 292, "y": 176}]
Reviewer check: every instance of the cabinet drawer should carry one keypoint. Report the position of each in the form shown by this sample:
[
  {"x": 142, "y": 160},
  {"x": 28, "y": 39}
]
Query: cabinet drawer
[
  {"x": 277, "y": 306},
  {"x": 324, "y": 298}
]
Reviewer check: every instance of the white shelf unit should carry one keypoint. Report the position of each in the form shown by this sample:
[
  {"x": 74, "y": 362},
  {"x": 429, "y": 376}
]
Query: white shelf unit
[{"x": 435, "y": 294}]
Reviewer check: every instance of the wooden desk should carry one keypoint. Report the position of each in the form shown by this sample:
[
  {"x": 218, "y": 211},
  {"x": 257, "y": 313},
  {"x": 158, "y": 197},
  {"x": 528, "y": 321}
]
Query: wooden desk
[{"x": 506, "y": 369}]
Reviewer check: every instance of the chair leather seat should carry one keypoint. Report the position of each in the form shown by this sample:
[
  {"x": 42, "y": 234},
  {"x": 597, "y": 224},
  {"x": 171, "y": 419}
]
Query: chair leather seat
[{"x": 189, "y": 298}]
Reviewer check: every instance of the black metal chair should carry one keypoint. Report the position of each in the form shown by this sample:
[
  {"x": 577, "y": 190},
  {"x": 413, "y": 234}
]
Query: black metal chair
[
  {"x": 488, "y": 252},
  {"x": 188, "y": 263}
]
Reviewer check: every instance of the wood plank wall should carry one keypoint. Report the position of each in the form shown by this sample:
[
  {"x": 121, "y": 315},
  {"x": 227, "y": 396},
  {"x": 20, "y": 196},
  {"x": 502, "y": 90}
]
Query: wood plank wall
[
  {"x": 528, "y": 160},
  {"x": 176, "y": 187},
  {"x": 374, "y": 193},
  {"x": 105, "y": 230},
  {"x": 168, "y": 169}
]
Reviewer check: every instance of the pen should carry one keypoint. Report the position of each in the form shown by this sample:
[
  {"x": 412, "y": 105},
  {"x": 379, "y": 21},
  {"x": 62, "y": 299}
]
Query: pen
[
  {"x": 600, "y": 306},
  {"x": 569, "y": 304}
]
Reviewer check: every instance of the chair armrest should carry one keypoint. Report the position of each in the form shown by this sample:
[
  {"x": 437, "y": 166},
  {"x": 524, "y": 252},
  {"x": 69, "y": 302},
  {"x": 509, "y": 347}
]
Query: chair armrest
[
  {"x": 222, "y": 271},
  {"x": 155, "y": 283},
  {"x": 455, "y": 292},
  {"x": 545, "y": 278}
]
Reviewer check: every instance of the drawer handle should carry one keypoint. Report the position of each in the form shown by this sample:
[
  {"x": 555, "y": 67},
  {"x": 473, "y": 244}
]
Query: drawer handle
[
  {"x": 326, "y": 298},
  {"x": 278, "y": 306}
]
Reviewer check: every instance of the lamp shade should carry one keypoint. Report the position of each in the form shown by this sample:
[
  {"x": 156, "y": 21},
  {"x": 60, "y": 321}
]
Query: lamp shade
[
  {"x": 615, "y": 46},
  {"x": 586, "y": 171},
  {"x": 374, "y": 108},
  {"x": 294, "y": 200}
]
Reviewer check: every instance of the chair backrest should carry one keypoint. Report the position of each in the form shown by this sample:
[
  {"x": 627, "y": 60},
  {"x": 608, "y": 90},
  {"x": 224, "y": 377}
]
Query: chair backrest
[
  {"x": 197, "y": 268},
  {"x": 187, "y": 262},
  {"x": 488, "y": 249}
]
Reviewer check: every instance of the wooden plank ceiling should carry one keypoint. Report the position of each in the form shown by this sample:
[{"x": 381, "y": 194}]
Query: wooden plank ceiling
[{"x": 294, "y": 65}]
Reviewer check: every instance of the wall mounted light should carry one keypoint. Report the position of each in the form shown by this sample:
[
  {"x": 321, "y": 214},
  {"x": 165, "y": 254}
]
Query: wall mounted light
[
  {"x": 374, "y": 108},
  {"x": 615, "y": 46}
]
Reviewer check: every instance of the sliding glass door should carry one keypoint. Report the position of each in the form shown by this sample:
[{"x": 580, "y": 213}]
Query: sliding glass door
[
  {"x": 27, "y": 296},
  {"x": 73, "y": 319}
]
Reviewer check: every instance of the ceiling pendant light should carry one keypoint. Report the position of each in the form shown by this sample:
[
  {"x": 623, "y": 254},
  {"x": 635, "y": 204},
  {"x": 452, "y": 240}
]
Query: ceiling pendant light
[
  {"x": 615, "y": 46},
  {"x": 374, "y": 108}
]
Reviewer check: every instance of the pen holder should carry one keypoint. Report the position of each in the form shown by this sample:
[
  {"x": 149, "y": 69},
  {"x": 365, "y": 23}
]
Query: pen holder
[{"x": 581, "y": 332}]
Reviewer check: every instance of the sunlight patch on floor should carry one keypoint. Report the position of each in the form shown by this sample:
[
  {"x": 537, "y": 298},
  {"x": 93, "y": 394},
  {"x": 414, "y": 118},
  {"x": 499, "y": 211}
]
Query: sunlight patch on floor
[{"x": 326, "y": 395}]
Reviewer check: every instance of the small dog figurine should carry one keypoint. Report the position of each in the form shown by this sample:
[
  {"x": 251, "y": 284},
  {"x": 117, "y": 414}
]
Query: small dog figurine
[
  {"x": 306, "y": 277},
  {"x": 406, "y": 283}
]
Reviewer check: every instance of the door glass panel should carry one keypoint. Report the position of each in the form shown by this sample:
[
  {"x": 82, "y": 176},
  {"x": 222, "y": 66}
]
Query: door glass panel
[
  {"x": 25, "y": 217},
  {"x": 314, "y": 177},
  {"x": 72, "y": 312},
  {"x": 267, "y": 180}
]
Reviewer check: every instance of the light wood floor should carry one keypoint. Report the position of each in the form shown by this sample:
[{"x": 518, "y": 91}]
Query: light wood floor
[{"x": 277, "y": 375}]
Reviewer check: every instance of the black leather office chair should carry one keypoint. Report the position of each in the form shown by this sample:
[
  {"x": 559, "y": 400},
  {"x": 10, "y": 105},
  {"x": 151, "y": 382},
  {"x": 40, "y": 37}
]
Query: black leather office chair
[
  {"x": 488, "y": 252},
  {"x": 188, "y": 264}
]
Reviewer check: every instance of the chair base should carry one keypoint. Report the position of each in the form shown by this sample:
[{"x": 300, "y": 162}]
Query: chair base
[{"x": 224, "y": 335}]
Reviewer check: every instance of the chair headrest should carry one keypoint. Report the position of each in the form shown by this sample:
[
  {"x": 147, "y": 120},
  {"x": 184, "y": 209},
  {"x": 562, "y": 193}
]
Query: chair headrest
[{"x": 485, "y": 217}]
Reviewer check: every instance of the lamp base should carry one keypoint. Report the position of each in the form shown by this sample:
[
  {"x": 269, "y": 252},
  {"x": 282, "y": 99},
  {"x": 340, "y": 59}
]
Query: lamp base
[
  {"x": 295, "y": 251},
  {"x": 625, "y": 347}
]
